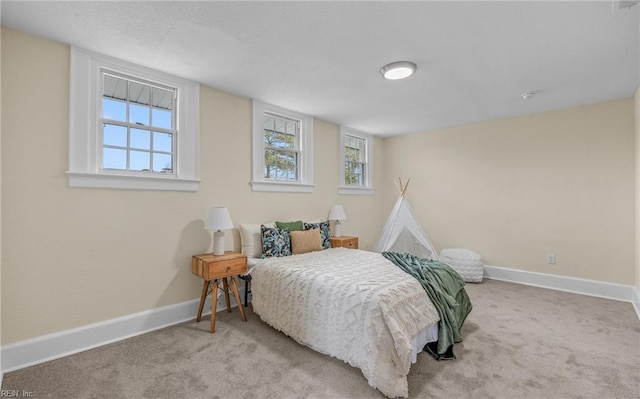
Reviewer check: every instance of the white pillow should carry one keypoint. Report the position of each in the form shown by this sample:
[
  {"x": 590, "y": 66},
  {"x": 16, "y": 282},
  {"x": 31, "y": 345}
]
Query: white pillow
[{"x": 251, "y": 238}]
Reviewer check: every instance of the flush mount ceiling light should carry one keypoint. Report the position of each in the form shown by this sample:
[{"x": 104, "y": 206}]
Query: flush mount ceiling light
[{"x": 398, "y": 70}]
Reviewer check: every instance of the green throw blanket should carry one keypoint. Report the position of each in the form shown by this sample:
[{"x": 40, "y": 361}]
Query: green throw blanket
[{"x": 445, "y": 287}]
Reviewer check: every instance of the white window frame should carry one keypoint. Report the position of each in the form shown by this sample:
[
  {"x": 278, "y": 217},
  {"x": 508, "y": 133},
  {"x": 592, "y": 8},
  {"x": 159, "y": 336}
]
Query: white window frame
[
  {"x": 85, "y": 146},
  {"x": 350, "y": 189},
  {"x": 304, "y": 184}
]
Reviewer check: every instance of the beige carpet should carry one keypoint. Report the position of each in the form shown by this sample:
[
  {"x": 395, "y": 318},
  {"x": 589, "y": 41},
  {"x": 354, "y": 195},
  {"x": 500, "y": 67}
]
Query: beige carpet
[{"x": 519, "y": 342}]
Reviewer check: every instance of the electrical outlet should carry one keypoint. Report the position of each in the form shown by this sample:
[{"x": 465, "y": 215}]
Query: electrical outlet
[{"x": 551, "y": 259}]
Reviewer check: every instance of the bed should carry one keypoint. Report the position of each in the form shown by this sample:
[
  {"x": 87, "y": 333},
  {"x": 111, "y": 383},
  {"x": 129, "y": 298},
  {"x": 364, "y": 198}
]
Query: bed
[{"x": 354, "y": 305}]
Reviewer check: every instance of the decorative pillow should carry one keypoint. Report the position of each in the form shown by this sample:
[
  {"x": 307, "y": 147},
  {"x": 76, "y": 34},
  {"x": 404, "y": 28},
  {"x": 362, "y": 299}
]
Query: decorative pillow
[
  {"x": 325, "y": 232},
  {"x": 251, "y": 237},
  {"x": 291, "y": 226},
  {"x": 305, "y": 241},
  {"x": 275, "y": 242}
]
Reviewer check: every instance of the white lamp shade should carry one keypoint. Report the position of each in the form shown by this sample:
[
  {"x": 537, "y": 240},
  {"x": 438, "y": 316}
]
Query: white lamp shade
[
  {"x": 337, "y": 213},
  {"x": 218, "y": 219}
]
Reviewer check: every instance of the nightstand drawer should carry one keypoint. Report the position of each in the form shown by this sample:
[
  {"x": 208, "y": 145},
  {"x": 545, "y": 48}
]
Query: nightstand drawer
[
  {"x": 351, "y": 244},
  {"x": 224, "y": 269},
  {"x": 218, "y": 268},
  {"x": 344, "y": 242}
]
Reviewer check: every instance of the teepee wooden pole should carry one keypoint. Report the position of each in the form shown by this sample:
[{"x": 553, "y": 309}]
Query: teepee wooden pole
[{"x": 405, "y": 187}]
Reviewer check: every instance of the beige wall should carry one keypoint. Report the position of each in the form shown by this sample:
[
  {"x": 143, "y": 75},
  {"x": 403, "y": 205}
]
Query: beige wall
[
  {"x": 72, "y": 257},
  {"x": 513, "y": 190},
  {"x": 516, "y": 189}
]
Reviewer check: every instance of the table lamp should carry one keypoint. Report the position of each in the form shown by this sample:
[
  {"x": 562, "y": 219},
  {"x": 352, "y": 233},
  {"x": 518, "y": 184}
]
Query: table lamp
[
  {"x": 337, "y": 214},
  {"x": 217, "y": 221}
]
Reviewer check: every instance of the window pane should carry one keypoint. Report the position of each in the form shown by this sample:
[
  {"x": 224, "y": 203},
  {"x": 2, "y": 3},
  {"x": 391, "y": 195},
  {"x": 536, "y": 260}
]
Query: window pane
[
  {"x": 354, "y": 174},
  {"x": 114, "y": 159},
  {"x": 115, "y": 87},
  {"x": 269, "y": 126},
  {"x": 280, "y": 124},
  {"x": 290, "y": 127},
  {"x": 354, "y": 149},
  {"x": 114, "y": 110},
  {"x": 140, "y": 161},
  {"x": 139, "y": 93},
  {"x": 162, "y": 142},
  {"x": 162, "y": 163},
  {"x": 161, "y": 118},
  {"x": 139, "y": 114},
  {"x": 280, "y": 165},
  {"x": 162, "y": 98},
  {"x": 269, "y": 123},
  {"x": 114, "y": 135},
  {"x": 140, "y": 139},
  {"x": 351, "y": 154},
  {"x": 270, "y": 164}
]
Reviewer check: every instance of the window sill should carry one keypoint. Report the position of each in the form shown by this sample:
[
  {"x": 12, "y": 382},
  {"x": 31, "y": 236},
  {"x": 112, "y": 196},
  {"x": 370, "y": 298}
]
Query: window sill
[
  {"x": 91, "y": 180},
  {"x": 356, "y": 191},
  {"x": 271, "y": 186}
]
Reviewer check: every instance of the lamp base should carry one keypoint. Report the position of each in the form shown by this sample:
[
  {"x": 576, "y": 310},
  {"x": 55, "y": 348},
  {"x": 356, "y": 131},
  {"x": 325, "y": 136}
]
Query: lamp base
[
  {"x": 218, "y": 243},
  {"x": 337, "y": 229}
]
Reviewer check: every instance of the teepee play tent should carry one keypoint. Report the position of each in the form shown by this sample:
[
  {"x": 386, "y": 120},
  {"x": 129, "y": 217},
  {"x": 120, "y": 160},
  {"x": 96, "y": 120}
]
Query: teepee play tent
[{"x": 403, "y": 233}]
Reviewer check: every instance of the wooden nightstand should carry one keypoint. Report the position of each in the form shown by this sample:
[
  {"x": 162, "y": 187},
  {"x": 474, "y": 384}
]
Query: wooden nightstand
[
  {"x": 210, "y": 268},
  {"x": 344, "y": 241}
]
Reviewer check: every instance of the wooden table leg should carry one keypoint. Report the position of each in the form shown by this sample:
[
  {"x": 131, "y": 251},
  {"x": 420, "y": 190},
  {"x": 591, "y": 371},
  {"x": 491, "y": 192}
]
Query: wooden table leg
[
  {"x": 205, "y": 288},
  {"x": 234, "y": 286},
  {"x": 225, "y": 284},
  {"x": 214, "y": 302}
]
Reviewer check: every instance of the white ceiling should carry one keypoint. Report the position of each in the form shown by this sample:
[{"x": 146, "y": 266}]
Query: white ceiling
[{"x": 323, "y": 58}]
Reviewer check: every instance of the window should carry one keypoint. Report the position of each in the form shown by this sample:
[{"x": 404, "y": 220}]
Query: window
[
  {"x": 355, "y": 161},
  {"x": 356, "y": 169},
  {"x": 282, "y": 149},
  {"x": 138, "y": 125},
  {"x": 131, "y": 127}
]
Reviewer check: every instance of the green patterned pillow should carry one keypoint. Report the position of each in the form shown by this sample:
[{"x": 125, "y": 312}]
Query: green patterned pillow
[
  {"x": 291, "y": 226},
  {"x": 275, "y": 242},
  {"x": 325, "y": 232}
]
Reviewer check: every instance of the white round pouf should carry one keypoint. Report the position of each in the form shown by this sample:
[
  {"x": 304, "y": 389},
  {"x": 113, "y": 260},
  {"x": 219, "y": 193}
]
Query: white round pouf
[{"x": 467, "y": 263}]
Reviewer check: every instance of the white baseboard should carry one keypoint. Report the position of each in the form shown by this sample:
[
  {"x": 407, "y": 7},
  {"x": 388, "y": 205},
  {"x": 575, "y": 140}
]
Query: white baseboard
[
  {"x": 600, "y": 289},
  {"x": 636, "y": 300},
  {"x": 48, "y": 347}
]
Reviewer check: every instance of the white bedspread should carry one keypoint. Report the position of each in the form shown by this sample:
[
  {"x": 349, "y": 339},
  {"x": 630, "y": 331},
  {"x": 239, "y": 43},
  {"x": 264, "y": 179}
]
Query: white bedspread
[{"x": 351, "y": 304}]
